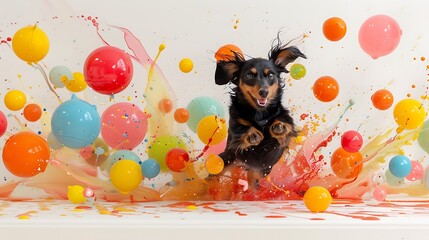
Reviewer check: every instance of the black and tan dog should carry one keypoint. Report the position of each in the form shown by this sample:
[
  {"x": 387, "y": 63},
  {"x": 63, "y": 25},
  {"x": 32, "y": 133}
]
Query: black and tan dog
[{"x": 260, "y": 127}]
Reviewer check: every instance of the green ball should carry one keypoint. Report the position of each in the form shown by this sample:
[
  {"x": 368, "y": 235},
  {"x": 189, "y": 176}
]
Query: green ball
[
  {"x": 297, "y": 71},
  {"x": 201, "y": 107},
  {"x": 161, "y": 145}
]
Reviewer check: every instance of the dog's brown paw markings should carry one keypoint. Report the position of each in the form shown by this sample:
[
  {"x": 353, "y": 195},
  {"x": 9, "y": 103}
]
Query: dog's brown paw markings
[
  {"x": 251, "y": 138},
  {"x": 280, "y": 131}
]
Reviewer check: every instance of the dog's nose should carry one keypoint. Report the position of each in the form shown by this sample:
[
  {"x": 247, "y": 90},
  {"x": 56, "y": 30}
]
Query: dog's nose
[{"x": 263, "y": 93}]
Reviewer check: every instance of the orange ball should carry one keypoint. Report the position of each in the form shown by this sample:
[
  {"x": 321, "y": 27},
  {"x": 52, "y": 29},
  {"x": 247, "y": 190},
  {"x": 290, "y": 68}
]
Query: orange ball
[
  {"x": 345, "y": 164},
  {"x": 181, "y": 115},
  {"x": 382, "y": 99},
  {"x": 165, "y": 105},
  {"x": 176, "y": 158},
  {"x": 32, "y": 112},
  {"x": 326, "y": 89},
  {"x": 334, "y": 29},
  {"x": 226, "y": 52},
  {"x": 26, "y": 154}
]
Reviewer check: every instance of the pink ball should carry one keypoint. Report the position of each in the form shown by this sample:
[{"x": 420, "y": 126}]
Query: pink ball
[
  {"x": 3, "y": 123},
  {"x": 86, "y": 152},
  {"x": 88, "y": 192},
  {"x": 417, "y": 171},
  {"x": 124, "y": 126},
  {"x": 379, "y": 35},
  {"x": 351, "y": 141},
  {"x": 379, "y": 194}
]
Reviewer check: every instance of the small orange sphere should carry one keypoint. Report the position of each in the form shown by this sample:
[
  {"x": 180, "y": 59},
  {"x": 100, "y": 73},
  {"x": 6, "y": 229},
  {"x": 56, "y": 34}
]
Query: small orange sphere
[
  {"x": 181, "y": 115},
  {"x": 226, "y": 52},
  {"x": 326, "y": 89},
  {"x": 382, "y": 99},
  {"x": 345, "y": 164},
  {"x": 32, "y": 112},
  {"x": 334, "y": 29},
  {"x": 165, "y": 105}
]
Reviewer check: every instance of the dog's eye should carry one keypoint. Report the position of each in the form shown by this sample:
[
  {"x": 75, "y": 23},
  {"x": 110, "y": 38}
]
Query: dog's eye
[
  {"x": 270, "y": 76},
  {"x": 250, "y": 76}
]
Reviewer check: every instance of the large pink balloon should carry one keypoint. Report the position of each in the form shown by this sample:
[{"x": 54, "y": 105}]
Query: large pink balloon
[
  {"x": 124, "y": 126},
  {"x": 379, "y": 35}
]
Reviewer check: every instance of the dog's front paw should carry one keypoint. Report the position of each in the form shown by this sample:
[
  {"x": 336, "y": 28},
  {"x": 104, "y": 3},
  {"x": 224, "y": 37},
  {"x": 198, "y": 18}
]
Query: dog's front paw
[
  {"x": 281, "y": 131},
  {"x": 251, "y": 138}
]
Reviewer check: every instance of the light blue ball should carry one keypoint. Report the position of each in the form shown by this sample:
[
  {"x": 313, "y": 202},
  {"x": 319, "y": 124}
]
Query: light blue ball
[
  {"x": 201, "y": 107},
  {"x": 124, "y": 154},
  {"x": 150, "y": 168},
  {"x": 76, "y": 123},
  {"x": 400, "y": 166},
  {"x": 57, "y": 73}
]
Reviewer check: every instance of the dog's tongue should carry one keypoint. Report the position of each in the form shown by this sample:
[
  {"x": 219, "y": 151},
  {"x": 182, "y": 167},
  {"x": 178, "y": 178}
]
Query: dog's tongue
[{"x": 262, "y": 102}]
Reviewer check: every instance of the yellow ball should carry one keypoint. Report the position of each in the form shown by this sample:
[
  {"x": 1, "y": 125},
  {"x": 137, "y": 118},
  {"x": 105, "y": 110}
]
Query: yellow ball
[
  {"x": 186, "y": 65},
  {"x": 30, "y": 44},
  {"x": 15, "y": 100},
  {"x": 77, "y": 84},
  {"x": 126, "y": 175},
  {"x": 75, "y": 194},
  {"x": 317, "y": 199},
  {"x": 212, "y": 130},
  {"x": 214, "y": 164},
  {"x": 409, "y": 113}
]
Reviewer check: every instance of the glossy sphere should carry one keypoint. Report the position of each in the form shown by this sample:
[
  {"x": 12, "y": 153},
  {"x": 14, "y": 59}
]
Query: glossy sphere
[
  {"x": 297, "y": 71},
  {"x": 212, "y": 130},
  {"x": 176, "y": 158},
  {"x": 382, "y": 99},
  {"x": 126, "y": 175},
  {"x": 214, "y": 164},
  {"x": 400, "y": 166},
  {"x": 351, "y": 141},
  {"x": 76, "y": 123},
  {"x": 181, "y": 115},
  {"x": 326, "y": 89},
  {"x": 409, "y": 113},
  {"x": 345, "y": 164},
  {"x": 30, "y": 44},
  {"x": 26, "y": 154},
  {"x": 334, "y": 29},
  {"x": 165, "y": 105},
  {"x": 108, "y": 70},
  {"x": 317, "y": 199},
  {"x": 186, "y": 65},
  {"x": 75, "y": 194},
  {"x": 15, "y": 100},
  {"x": 32, "y": 112},
  {"x": 226, "y": 52}
]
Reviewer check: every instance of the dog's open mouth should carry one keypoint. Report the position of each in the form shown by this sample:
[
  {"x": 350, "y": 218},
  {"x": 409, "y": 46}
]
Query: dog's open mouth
[{"x": 262, "y": 102}]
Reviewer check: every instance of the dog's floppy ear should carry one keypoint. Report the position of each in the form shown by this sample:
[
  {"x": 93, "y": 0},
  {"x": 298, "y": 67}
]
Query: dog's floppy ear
[
  {"x": 282, "y": 55},
  {"x": 225, "y": 71}
]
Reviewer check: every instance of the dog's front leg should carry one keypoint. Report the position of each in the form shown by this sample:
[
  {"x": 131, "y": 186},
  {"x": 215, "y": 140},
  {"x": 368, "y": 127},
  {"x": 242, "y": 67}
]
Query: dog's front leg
[{"x": 282, "y": 131}]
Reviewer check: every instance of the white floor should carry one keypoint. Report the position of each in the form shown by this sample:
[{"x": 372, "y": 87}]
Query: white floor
[{"x": 213, "y": 220}]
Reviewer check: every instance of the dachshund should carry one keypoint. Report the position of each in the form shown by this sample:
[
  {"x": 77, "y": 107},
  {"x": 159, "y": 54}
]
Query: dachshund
[{"x": 260, "y": 127}]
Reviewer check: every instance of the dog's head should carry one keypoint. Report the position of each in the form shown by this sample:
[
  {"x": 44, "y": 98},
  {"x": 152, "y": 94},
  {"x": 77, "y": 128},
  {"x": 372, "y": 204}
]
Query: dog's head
[{"x": 258, "y": 79}]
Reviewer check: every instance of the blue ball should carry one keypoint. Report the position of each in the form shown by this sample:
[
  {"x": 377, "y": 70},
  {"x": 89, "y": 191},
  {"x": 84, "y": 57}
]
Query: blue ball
[
  {"x": 124, "y": 154},
  {"x": 201, "y": 107},
  {"x": 400, "y": 166},
  {"x": 150, "y": 168},
  {"x": 76, "y": 123}
]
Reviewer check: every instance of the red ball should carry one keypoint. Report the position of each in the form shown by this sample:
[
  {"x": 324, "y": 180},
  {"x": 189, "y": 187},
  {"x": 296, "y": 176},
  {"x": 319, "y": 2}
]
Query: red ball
[
  {"x": 351, "y": 141},
  {"x": 176, "y": 158},
  {"x": 108, "y": 70}
]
